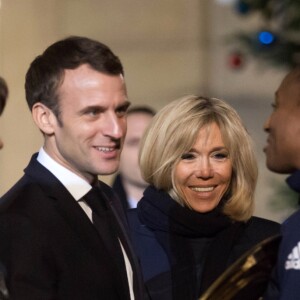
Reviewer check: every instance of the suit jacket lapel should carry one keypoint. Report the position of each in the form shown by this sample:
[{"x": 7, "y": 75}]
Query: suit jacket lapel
[
  {"x": 66, "y": 205},
  {"x": 78, "y": 220}
]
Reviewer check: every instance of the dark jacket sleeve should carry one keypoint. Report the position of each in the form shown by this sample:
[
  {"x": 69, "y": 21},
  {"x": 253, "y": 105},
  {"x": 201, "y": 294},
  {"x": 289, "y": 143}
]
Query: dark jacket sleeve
[{"x": 256, "y": 230}]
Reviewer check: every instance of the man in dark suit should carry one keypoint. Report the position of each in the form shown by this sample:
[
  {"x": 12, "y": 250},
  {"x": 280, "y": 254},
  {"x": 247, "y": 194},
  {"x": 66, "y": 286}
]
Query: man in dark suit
[{"x": 55, "y": 242}]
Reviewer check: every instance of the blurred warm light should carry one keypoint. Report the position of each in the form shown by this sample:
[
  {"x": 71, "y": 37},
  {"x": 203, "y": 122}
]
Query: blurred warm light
[{"x": 226, "y": 2}]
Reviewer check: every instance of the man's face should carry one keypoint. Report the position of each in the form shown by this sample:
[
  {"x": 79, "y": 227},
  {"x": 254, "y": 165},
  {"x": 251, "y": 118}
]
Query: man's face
[
  {"x": 283, "y": 127},
  {"x": 93, "y": 109},
  {"x": 129, "y": 167}
]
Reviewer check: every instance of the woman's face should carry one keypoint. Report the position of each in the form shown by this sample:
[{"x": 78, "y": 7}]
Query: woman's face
[{"x": 203, "y": 173}]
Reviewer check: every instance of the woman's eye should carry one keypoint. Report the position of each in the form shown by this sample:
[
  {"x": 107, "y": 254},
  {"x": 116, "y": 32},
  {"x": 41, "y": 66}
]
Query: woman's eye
[
  {"x": 187, "y": 156},
  {"x": 220, "y": 155}
]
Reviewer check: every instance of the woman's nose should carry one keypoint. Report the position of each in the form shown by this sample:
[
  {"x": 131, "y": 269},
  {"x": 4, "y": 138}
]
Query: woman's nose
[{"x": 204, "y": 169}]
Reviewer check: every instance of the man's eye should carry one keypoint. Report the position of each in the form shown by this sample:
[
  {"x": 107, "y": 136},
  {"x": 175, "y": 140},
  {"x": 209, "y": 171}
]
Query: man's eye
[
  {"x": 187, "y": 156},
  {"x": 274, "y": 106},
  {"x": 93, "y": 112},
  {"x": 121, "y": 113}
]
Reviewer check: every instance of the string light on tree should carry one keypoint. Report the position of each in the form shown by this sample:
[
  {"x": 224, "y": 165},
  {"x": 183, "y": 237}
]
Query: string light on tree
[
  {"x": 266, "y": 38},
  {"x": 236, "y": 60},
  {"x": 225, "y": 2},
  {"x": 242, "y": 7}
]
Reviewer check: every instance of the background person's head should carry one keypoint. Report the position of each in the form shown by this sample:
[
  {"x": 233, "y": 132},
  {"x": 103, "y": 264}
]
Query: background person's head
[
  {"x": 3, "y": 99},
  {"x": 138, "y": 119},
  {"x": 283, "y": 127},
  {"x": 174, "y": 132}
]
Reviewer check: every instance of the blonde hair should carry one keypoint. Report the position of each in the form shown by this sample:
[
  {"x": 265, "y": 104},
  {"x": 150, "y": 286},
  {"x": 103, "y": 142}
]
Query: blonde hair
[{"x": 174, "y": 130}]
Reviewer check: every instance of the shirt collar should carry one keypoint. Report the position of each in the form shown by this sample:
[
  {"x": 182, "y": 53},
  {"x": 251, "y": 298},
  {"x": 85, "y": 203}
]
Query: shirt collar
[
  {"x": 132, "y": 202},
  {"x": 294, "y": 181},
  {"x": 76, "y": 186}
]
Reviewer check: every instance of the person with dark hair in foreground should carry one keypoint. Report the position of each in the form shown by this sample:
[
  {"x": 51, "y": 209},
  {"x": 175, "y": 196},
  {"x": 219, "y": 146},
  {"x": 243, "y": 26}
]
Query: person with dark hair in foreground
[
  {"x": 283, "y": 157},
  {"x": 62, "y": 233}
]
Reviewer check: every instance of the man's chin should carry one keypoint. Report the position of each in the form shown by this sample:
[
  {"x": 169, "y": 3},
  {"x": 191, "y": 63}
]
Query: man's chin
[
  {"x": 275, "y": 167},
  {"x": 108, "y": 170},
  {"x": 271, "y": 166}
]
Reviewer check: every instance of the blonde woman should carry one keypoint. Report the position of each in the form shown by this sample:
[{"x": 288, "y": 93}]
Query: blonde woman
[{"x": 195, "y": 218}]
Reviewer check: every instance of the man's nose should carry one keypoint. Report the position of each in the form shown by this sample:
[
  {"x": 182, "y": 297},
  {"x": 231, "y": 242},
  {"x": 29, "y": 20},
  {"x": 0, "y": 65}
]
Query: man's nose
[
  {"x": 114, "y": 127},
  {"x": 267, "y": 124}
]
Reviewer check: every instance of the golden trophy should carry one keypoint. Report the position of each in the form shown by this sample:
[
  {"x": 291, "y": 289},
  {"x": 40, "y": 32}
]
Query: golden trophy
[{"x": 247, "y": 278}]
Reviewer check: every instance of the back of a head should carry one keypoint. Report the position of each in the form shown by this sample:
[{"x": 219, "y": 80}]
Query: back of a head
[
  {"x": 46, "y": 72},
  {"x": 3, "y": 94}
]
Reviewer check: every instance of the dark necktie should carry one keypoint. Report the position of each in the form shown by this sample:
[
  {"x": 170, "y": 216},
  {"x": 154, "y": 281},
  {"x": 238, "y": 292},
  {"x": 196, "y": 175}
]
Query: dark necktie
[
  {"x": 94, "y": 200},
  {"x": 106, "y": 227}
]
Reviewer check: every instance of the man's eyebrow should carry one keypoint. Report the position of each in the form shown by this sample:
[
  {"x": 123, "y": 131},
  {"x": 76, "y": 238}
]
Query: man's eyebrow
[{"x": 92, "y": 107}]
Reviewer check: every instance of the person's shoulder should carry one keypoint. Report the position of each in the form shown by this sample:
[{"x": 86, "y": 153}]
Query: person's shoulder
[
  {"x": 259, "y": 220},
  {"x": 292, "y": 220},
  {"x": 29, "y": 192},
  {"x": 255, "y": 230},
  {"x": 262, "y": 228},
  {"x": 11, "y": 196},
  {"x": 268, "y": 225}
]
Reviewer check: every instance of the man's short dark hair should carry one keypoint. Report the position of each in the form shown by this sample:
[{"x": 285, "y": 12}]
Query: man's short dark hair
[
  {"x": 46, "y": 72},
  {"x": 3, "y": 94}
]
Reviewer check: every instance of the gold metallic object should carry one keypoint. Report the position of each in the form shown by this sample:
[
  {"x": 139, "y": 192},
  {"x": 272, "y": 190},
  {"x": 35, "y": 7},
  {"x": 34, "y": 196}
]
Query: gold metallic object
[{"x": 248, "y": 277}]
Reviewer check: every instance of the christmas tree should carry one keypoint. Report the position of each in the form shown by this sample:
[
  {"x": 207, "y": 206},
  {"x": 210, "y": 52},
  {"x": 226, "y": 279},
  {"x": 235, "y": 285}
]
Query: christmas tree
[{"x": 277, "y": 41}]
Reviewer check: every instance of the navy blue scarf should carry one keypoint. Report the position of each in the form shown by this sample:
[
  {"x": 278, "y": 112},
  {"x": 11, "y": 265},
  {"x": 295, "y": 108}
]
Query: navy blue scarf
[{"x": 173, "y": 225}]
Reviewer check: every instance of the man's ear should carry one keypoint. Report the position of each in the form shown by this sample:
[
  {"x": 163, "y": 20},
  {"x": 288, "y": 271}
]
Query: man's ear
[{"x": 44, "y": 118}]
